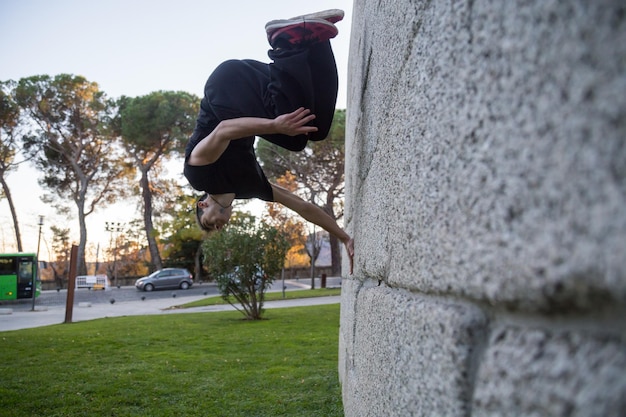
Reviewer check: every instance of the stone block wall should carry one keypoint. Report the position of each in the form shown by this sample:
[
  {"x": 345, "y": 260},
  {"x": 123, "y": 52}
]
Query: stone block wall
[{"x": 486, "y": 191}]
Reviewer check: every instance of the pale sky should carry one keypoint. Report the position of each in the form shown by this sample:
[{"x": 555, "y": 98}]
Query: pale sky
[{"x": 132, "y": 48}]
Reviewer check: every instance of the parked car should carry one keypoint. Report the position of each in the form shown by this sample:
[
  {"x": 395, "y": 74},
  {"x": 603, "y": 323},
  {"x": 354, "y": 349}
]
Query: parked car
[{"x": 166, "y": 278}]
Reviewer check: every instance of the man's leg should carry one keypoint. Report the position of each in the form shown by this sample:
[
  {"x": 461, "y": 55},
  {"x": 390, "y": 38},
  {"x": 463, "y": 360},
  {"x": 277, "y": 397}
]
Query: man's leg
[
  {"x": 300, "y": 76},
  {"x": 241, "y": 88},
  {"x": 303, "y": 78},
  {"x": 289, "y": 88},
  {"x": 325, "y": 85}
]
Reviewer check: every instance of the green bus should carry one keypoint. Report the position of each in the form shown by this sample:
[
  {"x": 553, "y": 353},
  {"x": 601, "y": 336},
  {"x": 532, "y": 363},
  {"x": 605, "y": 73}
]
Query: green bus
[{"x": 18, "y": 272}]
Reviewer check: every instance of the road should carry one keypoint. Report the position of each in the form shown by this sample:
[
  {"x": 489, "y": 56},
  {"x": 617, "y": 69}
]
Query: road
[
  {"x": 50, "y": 307},
  {"x": 126, "y": 294}
]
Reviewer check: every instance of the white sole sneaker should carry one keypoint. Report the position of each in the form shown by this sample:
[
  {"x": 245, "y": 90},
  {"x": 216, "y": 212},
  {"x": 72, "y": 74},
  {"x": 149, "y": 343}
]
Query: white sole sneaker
[
  {"x": 332, "y": 15},
  {"x": 298, "y": 31}
]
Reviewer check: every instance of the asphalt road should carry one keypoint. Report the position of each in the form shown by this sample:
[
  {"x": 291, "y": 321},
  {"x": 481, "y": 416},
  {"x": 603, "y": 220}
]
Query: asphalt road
[
  {"x": 125, "y": 294},
  {"x": 50, "y": 307}
]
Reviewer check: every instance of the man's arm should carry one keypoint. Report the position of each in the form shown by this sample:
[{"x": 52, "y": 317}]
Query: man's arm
[
  {"x": 315, "y": 215},
  {"x": 209, "y": 149}
]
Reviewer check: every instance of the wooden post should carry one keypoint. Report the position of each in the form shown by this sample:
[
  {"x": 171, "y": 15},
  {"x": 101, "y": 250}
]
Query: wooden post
[{"x": 71, "y": 285}]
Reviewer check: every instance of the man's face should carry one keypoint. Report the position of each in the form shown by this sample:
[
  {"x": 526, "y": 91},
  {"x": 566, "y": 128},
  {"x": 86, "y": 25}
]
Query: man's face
[{"x": 214, "y": 217}]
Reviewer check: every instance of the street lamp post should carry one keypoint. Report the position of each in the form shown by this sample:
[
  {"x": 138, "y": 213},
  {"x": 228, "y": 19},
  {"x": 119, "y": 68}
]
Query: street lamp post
[
  {"x": 34, "y": 286},
  {"x": 114, "y": 228}
]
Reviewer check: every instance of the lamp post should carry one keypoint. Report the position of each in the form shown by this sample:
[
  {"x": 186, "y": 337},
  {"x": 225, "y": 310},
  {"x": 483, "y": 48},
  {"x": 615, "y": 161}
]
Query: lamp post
[
  {"x": 114, "y": 228},
  {"x": 36, "y": 266}
]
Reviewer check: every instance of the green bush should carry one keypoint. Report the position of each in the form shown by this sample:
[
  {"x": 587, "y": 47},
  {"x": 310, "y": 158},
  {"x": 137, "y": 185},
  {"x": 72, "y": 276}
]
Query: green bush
[{"x": 244, "y": 258}]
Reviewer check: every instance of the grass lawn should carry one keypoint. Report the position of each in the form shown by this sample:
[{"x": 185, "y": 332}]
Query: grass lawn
[
  {"x": 198, "y": 364},
  {"x": 269, "y": 296}
]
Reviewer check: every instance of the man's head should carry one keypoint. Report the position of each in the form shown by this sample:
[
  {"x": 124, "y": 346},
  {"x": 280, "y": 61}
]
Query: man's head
[{"x": 210, "y": 215}]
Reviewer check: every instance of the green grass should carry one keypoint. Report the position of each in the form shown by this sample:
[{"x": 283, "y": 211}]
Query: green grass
[
  {"x": 269, "y": 296},
  {"x": 197, "y": 364}
]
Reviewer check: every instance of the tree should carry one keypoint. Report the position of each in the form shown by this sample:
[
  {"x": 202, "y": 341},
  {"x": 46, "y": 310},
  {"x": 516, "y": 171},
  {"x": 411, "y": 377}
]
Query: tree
[
  {"x": 244, "y": 258},
  {"x": 313, "y": 249},
  {"x": 132, "y": 255},
  {"x": 126, "y": 254},
  {"x": 152, "y": 127},
  {"x": 319, "y": 171},
  {"x": 183, "y": 238},
  {"x": 72, "y": 145},
  {"x": 9, "y": 128},
  {"x": 61, "y": 249},
  {"x": 291, "y": 226}
]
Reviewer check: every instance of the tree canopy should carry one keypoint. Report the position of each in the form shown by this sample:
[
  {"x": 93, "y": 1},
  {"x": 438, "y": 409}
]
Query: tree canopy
[
  {"x": 318, "y": 170},
  {"x": 152, "y": 127},
  {"x": 72, "y": 144},
  {"x": 292, "y": 227},
  {"x": 9, "y": 143},
  {"x": 182, "y": 237}
]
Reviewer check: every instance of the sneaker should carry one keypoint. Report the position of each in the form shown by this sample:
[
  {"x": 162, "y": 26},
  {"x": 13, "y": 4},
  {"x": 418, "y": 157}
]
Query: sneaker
[
  {"x": 299, "y": 31},
  {"x": 331, "y": 15}
]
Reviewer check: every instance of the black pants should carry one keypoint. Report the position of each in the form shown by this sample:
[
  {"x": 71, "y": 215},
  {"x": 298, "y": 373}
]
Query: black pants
[{"x": 296, "y": 78}]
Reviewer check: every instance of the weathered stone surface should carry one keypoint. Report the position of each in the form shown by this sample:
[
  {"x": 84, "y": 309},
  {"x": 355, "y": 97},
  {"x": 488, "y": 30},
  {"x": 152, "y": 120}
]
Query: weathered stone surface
[
  {"x": 486, "y": 153},
  {"x": 538, "y": 372},
  {"x": 409, "y": 355},
  {"x": 486, "y": 180}
]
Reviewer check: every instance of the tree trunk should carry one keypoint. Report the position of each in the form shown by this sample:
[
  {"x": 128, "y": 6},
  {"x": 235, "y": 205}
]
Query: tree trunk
[
  {"x": 80, "y": 256},
  {"x": 335, "y": 255},
  {"x": 335, "y": 248},
  {"x": 16, "y": 227},
  {"x": 313, "y": 249},
  {"x": 198, "y": 263},
  {"x": 155, "y": 256}
]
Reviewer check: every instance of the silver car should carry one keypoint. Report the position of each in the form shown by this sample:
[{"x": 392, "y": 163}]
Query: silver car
[{"x": 166, "y": 278}]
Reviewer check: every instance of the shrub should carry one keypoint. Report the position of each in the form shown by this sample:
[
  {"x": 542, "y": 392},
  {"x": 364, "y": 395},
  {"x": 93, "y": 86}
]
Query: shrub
[{"x": 244, "y": 258}]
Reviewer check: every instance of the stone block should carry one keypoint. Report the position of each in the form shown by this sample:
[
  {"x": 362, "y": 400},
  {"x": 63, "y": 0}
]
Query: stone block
[
  {"x": 493, "y": 137},
  {"x": 408, "y": 355},
  {"x": 486, "y": 177},
  {"x": 540, "y": 372}
]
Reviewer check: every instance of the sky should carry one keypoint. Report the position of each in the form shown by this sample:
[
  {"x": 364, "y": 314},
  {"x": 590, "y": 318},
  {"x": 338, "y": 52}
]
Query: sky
[{"x": 131, "y": 48}]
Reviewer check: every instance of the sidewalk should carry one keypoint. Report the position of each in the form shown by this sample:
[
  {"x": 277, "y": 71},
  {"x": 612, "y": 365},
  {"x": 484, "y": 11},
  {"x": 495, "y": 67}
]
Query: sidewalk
[{"x": 16, "y": 320}]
